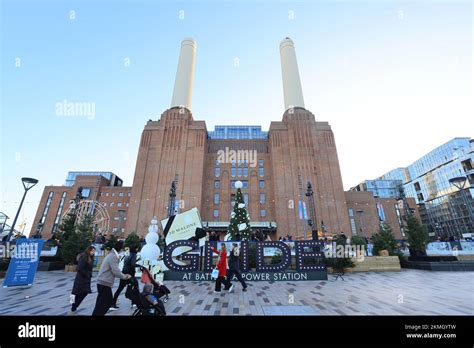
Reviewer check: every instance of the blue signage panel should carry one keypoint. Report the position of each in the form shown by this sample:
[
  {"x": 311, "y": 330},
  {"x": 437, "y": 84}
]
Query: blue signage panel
[{"x": 24, "y": 262}]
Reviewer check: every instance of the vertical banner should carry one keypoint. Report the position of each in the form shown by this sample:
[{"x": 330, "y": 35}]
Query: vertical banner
[
  {"x": 302, "y": 212},
  {"x": 381, "y": 212},
  {"x": 24, "y": 262}
]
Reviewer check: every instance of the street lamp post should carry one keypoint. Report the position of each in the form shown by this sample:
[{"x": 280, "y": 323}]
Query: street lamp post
[
  {"x": 28, "y": 183},
  {"x": 312, "y": 222}
]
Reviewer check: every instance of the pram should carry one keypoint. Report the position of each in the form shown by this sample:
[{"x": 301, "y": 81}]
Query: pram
[
  {"x": 144, "y": 307},
  {"x": 161, "y": 292}
]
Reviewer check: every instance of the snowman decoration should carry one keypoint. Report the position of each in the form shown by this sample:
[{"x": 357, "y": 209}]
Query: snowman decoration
[{"x": 151, "y": 251}]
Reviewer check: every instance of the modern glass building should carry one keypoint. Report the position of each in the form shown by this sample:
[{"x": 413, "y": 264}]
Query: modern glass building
[
  {"x": 381, "y": 188},
  {"x": 114, "y": 179},
  {"x": 446, "y": 205},
  {"x": 238, "y": 132}
]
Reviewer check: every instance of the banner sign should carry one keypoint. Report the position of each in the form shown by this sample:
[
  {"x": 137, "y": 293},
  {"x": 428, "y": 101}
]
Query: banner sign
[
  {"x": 450, "y": 248},
  {"x": 250, "y": 276},
  {"x": 184, "y": 227},
  {"x": 24, "y": 262}
]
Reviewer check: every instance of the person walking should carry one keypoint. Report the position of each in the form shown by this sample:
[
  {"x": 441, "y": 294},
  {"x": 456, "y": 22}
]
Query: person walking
[
  {"x": 222, "y": 267},
  {"x": 82, "y": 282},
  {"x": 105, "y": 280},
  {"x": 234, "y": 266},
  {"x": 129, "y": 265}
]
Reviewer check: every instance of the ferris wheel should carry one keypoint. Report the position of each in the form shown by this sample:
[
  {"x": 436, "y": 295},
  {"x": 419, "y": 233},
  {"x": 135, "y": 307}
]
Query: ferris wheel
[{"x": 100, "y": 216}]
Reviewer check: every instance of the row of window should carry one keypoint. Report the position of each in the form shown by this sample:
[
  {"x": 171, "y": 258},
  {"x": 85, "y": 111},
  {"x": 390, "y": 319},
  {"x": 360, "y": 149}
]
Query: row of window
[
  {"x": 245, "y": 184},
  {"x": 239, "y": 171},
  {"x": 246, "y": 198},
  {"x": 245, "y": 163},
  {"x": 111, "y": 204},
  {"x": 120, "y": 194},
  {"x": 46, "y": 209},
  {"x": 263, "y": 213}
]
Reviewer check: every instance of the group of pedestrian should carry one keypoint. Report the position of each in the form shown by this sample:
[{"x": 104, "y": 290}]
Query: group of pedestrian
[
  {"x": 287, "y": 238},
  {"x": 109, "y": 270},
  {"x": 227, "y": 268}
]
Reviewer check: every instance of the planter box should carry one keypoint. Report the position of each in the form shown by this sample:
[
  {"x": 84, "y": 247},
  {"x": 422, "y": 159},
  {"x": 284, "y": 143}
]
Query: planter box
[{"x": 70, "y": 268}]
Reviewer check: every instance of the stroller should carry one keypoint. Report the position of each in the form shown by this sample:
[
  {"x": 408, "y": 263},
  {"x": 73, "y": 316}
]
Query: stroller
[
  {"x": 144, "y": 307},
  {"x": 161, "y": 292}
]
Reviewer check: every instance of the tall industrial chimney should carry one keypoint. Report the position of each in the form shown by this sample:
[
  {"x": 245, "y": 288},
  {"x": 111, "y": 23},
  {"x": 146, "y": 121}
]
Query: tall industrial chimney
[
  {"x": 292, "y": 92},
  {"x": 183, "y": 84}
]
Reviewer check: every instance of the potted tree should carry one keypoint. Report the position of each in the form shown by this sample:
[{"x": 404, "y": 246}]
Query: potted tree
[
  {"x": 384, "y": 242},
  {"x": 339, "y": 264},
  {"x": 417, "y": 237},
  {"x": 132, "y": 241},
  {"x": 359, "y": 242},
  {"x": 74, "y": 239}
]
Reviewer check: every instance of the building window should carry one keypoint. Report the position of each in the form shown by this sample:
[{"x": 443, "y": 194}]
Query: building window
[
  {"x": 111, "y": 204},
  {"x": 58, "y": 213},
  {"x": 261, "y": 171},
  {"x": 119, "y": 204},
  {"x": 218, "y": 172},
  {"x": 86, "y": 192},
  {"x": 106, "y": 194},
  {"x": 263, "y": 213},
  {"x": 260, "y": 163},
  {"x": 246, "y": 172},
  {"x": 351, "y": 218},
  {"x": 216, "y": 198},
  {"x": 104, "y": 204},
  {"x": 246, "y": 199},
  {"x": 216, "y": 213},
  {"x": 262, "y": 198},
  {"x": 46, "y": 207},
  {"x": 126, "y": 204},
  {"x": 129, "y": 194},
  {"x": 121, "y": 194},
  {"x": 100, "y": 195},
  {"x": 113, "y": 194},
  {"x": 245, "y": 184},
  {"x": 217, "y": 184},
  {"x": 262, "y": 184},
  {"x": 417, "y": 186},
  {"x": 233, "y": 172}
]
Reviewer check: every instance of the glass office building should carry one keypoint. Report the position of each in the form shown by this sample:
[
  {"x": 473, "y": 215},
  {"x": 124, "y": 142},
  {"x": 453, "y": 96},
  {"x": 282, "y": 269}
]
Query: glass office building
[
  {"x": 238, "y": 132},
  {"x": 445, "y": 209},
  {"x": 114, "y": 179},
  {"x": 381, "y": 188}
]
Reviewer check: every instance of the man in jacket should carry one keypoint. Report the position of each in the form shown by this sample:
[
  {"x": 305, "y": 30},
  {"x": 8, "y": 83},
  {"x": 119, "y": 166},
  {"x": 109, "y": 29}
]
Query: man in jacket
[
  {"x": 234, "y": 266},
  {"x": 105, "y": 280},
  {"x": 129, "y": 265}
]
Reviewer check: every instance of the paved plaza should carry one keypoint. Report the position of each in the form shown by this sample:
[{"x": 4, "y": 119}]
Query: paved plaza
[{"x": 409, "y": 292}]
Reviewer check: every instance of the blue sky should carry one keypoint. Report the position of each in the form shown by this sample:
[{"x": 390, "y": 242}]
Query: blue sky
[{"x": 389, "y": 76}]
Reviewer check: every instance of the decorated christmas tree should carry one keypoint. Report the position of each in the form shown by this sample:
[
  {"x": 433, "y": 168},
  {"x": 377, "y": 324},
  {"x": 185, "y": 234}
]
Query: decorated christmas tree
[{"x": 239, "y": 227}]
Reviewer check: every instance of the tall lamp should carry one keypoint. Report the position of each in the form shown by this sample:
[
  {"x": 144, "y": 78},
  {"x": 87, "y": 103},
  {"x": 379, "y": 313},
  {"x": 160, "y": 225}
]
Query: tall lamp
[{"x": 28, "y": 183}]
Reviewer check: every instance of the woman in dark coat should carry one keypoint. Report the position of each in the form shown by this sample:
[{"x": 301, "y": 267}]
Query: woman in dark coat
[{"x": 82, "y": 283}]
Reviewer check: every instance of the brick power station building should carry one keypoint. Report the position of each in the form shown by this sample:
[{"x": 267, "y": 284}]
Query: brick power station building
[{"x": 274, "y": 167}]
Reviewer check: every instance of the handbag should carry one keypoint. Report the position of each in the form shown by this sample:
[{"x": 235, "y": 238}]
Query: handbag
[{"x": 215, "y": 273}]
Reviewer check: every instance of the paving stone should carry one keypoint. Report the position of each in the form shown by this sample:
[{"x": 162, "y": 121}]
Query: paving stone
[{"x": 423, "y": 293}]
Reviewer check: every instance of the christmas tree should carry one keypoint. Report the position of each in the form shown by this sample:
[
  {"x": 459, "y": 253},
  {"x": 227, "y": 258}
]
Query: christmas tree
[{"x": 239, "y": 227}]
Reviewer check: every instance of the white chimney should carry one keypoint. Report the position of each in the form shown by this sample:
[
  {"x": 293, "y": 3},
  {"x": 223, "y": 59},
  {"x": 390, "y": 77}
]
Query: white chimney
[
  {"x": 183, "y": 84},
  {"x": 292, "y": 92}
]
